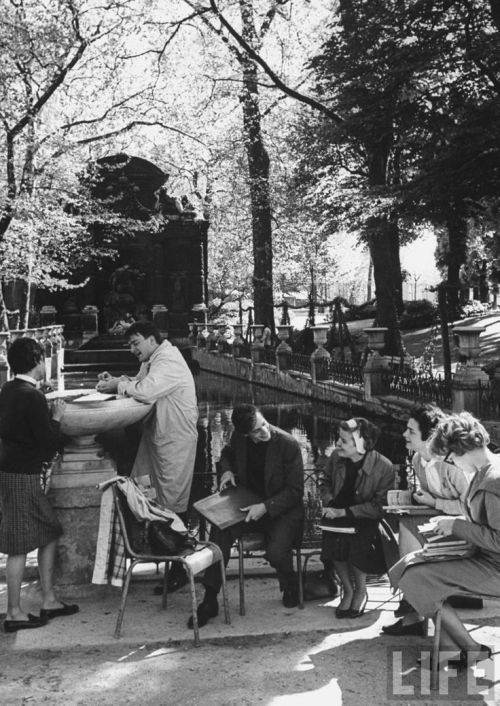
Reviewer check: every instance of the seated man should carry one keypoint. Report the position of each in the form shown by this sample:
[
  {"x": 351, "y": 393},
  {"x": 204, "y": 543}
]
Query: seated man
[{"x": 268, "y": 461}]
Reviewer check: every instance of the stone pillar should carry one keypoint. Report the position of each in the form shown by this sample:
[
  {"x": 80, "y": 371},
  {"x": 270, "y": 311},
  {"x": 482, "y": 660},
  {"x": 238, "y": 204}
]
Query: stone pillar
[
  {"x": 159, "y": 313},
  {"x": 320, "y": 357},
  {"x": 470, "y": 385},
  {"x": 77, "y": 501},
  {"x": 89, "y": 322},
  {"x": 48, "y": 315},
  {"x": 257, "y": 344},
  {"x": 4, "y": 366},
  {"x": 283, "y": 351},
  {"x": 375, "y": 367}
]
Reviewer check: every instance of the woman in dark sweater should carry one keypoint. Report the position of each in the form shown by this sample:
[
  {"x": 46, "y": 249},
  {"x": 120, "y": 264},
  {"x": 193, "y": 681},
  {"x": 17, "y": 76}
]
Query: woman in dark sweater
[
  {"x": 353, "y": 491},
  {"x": 28, "y": 438}
]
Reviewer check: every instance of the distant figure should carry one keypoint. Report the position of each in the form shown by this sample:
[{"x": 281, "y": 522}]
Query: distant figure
[
  {"x": 267, "y": 336},
  {"x": 119, "y": 327}
]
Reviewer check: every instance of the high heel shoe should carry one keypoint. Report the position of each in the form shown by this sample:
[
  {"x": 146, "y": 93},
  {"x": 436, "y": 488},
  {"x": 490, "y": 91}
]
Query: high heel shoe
[
  {"x": 342, "y": 613},
  {"x": 357, "y": 613},
  {"x": 463, "y": 662}
]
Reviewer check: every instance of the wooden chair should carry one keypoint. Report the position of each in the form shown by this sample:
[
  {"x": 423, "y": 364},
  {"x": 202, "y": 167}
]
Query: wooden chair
[
  {"x": 249, "y": 543},
  {"x": 204, "y": 555}
]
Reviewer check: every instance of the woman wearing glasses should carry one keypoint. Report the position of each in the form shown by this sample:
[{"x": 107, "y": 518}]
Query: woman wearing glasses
[
  {"x": 442, "y": 487},
  {"x": 428, "y": 586},
  {"x": 354, "y": 488}
]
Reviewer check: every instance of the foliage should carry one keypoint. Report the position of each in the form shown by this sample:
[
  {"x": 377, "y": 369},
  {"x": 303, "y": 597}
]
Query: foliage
[{"x": 420, "y": 313}]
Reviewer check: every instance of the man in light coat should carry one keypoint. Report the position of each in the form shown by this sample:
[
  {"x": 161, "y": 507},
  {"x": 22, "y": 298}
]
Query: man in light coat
[{"x": 168, "y": 445}]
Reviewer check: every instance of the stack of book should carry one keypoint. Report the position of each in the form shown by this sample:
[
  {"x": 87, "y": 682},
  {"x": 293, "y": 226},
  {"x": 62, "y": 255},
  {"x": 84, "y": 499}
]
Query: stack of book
[{"x": 437, "y": 545}]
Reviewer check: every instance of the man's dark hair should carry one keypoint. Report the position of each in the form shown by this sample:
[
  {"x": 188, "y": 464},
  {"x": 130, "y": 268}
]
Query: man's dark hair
[
  {"x": 144, "y": 328},
  {"x": 24, "y": 354},
  {"x": 427, "y": 417},
  {"x": 244, "y": 417}
]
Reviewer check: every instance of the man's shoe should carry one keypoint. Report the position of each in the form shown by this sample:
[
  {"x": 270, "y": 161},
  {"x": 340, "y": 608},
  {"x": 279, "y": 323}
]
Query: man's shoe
[
  {"x": 67, "y": 609},
  {"x": 404, "y": 608},
  {"x": 33, "y": 622},
  {"x": 290, "y": 597},
  {"x": 400, "y": 628},
  {"x": 205, "y": 611}
]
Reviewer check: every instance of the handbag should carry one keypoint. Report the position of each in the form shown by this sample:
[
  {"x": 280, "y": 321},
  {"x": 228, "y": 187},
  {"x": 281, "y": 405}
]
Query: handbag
[
  {"x": 319, "y": 585},
  {"x": 165, "y": 541}
]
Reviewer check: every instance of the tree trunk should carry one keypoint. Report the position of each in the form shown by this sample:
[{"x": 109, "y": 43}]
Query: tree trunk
[
  {"x": 258, "y": 170},
  {"x": 381, "y": 240},
  {"x": 456, "y": 257},
  {"x": 369, "y": 295}
]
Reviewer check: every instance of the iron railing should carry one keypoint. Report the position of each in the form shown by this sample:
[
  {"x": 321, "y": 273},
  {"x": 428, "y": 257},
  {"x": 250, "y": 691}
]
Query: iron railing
[
  {"x": 268, "y": 355},
  {"x": 300, "y": 363},
  {"x": 419, "y": 386},
  {"x": 345, "y": 372}
]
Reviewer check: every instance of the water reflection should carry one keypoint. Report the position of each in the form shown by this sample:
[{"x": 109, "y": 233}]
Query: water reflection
[{"x": 314, "y": 425}]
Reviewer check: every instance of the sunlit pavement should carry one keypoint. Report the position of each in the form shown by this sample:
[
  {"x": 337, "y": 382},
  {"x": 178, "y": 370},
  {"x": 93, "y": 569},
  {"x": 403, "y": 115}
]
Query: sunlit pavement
[{"x": 273, "y": 655}]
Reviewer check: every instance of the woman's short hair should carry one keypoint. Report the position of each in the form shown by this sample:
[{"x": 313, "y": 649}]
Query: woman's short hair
[
  {"x": 458, "y": 433},
  {"x": 368, "y": 432},
  {"x": 427, "y": 417},
  {"x": 24, "y": 354}
]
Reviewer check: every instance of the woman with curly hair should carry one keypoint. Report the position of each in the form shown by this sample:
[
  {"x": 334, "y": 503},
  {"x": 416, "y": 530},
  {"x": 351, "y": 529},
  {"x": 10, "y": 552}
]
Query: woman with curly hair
[
  {"x": 462, "y": 440},
  {"x": 354, "y": 489}
]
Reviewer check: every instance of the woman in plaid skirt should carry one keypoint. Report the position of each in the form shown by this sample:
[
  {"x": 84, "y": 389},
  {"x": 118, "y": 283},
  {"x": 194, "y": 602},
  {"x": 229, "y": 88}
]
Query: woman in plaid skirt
[{"x": 28, "y": 438}]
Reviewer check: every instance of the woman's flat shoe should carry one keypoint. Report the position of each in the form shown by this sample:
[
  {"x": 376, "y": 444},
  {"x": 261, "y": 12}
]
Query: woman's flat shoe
[
  {"x": 66, "y": 609},
  {"x": 33, "y": 622}
]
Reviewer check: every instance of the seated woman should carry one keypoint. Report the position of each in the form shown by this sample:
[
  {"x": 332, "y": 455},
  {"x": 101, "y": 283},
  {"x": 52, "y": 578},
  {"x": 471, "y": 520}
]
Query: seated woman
[
  {"x": 442, "y": 487},
  {"x": 28, "y": 438},
  {"x": 354, "y": 486},
  {"x": 427, "y": 586}
]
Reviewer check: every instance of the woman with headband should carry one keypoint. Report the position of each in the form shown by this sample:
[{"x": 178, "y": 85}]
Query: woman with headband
[{"x": 354, "y": 489}]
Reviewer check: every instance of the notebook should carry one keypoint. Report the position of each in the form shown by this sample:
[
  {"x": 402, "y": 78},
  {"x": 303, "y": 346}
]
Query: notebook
[{"x": 224, "y": 509}]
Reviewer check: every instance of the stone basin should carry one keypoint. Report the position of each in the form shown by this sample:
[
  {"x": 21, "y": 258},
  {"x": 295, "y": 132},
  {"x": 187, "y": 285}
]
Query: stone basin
[{"x": 88, "y": 418}]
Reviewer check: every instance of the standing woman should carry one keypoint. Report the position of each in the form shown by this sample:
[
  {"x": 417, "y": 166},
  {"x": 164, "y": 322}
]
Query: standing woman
[
  {"x": 28, "y": 438},
  {"x": 353, "y": 490},
  {"x": 427, "y": 586}
]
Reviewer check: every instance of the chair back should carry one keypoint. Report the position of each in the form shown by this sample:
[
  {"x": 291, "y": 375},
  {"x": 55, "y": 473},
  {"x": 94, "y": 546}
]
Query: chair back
[{"x": 133, "y": 530}]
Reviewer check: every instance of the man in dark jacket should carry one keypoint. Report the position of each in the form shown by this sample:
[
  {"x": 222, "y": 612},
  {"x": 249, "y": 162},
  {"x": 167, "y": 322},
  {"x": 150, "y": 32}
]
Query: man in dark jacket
[{"x": 268, "y": 461}]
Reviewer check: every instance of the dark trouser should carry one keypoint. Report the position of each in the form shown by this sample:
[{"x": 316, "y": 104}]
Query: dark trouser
[{"x": 281, "y": 535}]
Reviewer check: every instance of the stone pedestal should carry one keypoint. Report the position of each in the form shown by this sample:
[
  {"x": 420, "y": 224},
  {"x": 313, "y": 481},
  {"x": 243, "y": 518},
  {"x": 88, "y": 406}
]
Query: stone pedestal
[{"x": 76, "y": 501}]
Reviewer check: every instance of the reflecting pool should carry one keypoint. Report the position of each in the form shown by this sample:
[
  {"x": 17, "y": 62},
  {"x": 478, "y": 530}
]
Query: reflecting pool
[{"x": 313, "y": 424}]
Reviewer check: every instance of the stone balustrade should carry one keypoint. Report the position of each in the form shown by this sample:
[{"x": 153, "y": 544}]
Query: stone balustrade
[{"x": 52, "y": 341}]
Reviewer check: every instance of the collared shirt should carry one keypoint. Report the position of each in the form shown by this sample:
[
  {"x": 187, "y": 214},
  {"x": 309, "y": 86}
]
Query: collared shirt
[{"x": 27, "y": 378}]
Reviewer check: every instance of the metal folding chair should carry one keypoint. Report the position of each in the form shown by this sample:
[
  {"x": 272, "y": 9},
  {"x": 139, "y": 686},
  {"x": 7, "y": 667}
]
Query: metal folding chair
[
  {"x": 194, "y": 561},
  {"x": 248, "y": 543}
]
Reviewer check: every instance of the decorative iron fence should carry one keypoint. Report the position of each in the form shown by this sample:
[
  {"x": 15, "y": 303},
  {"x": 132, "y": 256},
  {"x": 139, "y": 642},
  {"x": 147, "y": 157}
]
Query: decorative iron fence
[
  {"x": 420, "y": 387},
  {"x": 244, "y": 350},
  {"x": 489, "y": 401},
  {"x": 268, "y": 355},
  {"x": 345, "y": 372},
  {"x": 300, "y": 363}
]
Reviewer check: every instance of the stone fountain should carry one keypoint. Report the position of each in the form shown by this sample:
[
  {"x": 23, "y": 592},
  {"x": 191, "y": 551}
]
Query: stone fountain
[{"x": 75, "y": 475}]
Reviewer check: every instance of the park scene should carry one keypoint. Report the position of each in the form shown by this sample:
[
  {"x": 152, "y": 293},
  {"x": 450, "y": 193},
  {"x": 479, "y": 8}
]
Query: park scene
[{"x": 249, "y": 352}]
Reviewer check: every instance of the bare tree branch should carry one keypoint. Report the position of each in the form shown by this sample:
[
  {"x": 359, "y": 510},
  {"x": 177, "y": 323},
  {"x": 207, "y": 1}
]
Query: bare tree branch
[
  {"x": 308, "y": 100},
  {"x": 137, "y": 123}
]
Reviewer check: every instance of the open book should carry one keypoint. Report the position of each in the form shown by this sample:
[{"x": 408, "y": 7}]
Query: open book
[{"x": 341, "y": 525}]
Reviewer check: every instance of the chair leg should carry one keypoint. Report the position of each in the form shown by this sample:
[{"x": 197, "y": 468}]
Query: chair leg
[
  {"x": 121, "y": 611},
  {"x": 165, "y": 584},
  {"x": 435, "y": 653},
  {"x": 241, "y": 576},
  {"x": 227, "y": 616},
  {"x": 194, "y": 605},
  {"x": 300, "y": 578}
]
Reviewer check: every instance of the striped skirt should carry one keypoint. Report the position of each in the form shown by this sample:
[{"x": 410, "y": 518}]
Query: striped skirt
[{"x": 27, "y": 520}]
